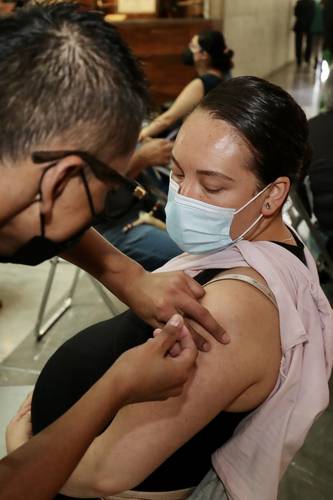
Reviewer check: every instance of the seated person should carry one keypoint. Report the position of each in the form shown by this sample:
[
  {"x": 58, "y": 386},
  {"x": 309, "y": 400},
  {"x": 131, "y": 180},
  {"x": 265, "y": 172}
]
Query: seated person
[
  {"x": 254, "y": 399},
  {"x": 212, "y": 59},
  {"x": 143, "y": 239},
  {"x": 321, "y": 168}
]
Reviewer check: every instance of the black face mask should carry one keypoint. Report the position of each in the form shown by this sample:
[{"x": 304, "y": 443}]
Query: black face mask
[
  {"x": 187, "y": 57},
  {"x": 40, "y": 248}
]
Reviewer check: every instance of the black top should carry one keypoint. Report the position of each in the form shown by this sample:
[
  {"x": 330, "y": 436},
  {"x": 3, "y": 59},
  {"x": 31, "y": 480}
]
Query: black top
[
  {"x": 304, "y": 12},
  {"x": 209, "y": 81},
  {"x": 297, "y": 250},
  {"x": 84, "y": 358}
]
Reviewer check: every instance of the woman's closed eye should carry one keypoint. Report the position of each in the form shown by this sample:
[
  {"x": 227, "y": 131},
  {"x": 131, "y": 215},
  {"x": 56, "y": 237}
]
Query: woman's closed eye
[
  {"x": 177, "y": 176},
  {"x": 213, "y": 190}
]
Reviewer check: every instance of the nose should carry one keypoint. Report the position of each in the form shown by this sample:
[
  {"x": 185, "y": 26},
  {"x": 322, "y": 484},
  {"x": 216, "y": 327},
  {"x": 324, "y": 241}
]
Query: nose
[{"x": 187, "y": 188}]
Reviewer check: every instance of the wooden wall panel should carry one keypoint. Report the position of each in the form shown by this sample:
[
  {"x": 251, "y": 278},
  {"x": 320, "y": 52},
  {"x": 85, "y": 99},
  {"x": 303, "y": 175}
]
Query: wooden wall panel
[{"x": 159, "y": 44}]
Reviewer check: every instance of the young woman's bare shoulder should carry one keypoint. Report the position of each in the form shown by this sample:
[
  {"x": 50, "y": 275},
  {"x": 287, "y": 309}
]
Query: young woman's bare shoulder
[{"x": 252, "y": 323}]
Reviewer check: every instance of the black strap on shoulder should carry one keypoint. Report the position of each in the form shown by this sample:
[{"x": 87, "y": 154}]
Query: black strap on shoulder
[{"x": 207, "y": 275}]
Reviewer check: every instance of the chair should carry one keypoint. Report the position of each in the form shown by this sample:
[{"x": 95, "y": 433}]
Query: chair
[
  {"x": 43, "y": 325},
  {"x": 300, "y": 215}
]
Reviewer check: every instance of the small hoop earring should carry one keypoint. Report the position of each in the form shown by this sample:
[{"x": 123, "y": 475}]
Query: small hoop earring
[{"x": 268, "y": 206}]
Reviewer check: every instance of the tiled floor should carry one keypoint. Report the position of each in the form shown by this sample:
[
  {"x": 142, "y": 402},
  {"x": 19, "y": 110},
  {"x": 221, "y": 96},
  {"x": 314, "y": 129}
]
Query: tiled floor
[{"x": 310, "y": 476}]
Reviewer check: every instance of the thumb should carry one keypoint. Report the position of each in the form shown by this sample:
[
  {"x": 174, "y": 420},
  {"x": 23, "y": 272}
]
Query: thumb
[
  {"x": 188, "y": 349},
  {"x": 170, "y": 333}
]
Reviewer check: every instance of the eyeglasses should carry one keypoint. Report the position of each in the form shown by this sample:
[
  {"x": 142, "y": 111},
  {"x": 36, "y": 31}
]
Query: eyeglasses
[
  {"x": 101, "y": 170},
  {"x": 130, "y": 190}
]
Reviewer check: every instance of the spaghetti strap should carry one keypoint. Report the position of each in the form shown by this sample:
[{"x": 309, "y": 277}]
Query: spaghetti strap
[
  {"x": 251, "y": 281},
  {"x": 151, "y": 495}
]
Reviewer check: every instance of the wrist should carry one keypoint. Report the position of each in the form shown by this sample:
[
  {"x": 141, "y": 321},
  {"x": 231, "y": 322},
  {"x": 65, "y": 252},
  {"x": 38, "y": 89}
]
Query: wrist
[
  {"x": 124, "y": 283},
  {"x": 138, "y": 163},
  {"x": 132, "y": 287},
  {"x": 118, "y": 388}
]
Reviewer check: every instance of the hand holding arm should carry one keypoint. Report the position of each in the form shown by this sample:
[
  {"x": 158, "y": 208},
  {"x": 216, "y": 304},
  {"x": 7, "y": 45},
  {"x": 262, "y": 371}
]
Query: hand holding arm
[
  {"x": 152, "y": 152},
  {"x": 155, "y": 297},
  {"x": 237, "y": 377},
  {"x": 144, "y": 373}
]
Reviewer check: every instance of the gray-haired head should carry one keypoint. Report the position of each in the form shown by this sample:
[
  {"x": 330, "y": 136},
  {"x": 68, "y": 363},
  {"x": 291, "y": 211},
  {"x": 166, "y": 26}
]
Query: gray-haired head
[{"x": 67, "y": 76}]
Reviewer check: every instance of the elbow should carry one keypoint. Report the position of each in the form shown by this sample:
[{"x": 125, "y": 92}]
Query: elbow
[
  {"x": 107, "y": 485},
  {"x": 98, "y": 484},
  {"x": 105, "y": 489}
]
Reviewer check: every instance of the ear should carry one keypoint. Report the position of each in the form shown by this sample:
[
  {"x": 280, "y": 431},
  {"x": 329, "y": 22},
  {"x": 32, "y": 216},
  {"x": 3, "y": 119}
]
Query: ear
[
  {"x": 56, "y": 180},
  {"x": 276, "y": 196}
]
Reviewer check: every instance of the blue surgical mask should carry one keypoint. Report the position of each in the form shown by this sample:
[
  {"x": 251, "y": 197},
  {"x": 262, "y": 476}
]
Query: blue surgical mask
[{"x": 198, "y": 227}]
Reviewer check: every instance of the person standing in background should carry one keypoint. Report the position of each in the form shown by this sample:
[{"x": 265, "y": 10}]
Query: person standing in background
[
  {"x": 304, "y": 13},
  {"x": 317, "y": 31},
  {"x": 328, "y": 27}
]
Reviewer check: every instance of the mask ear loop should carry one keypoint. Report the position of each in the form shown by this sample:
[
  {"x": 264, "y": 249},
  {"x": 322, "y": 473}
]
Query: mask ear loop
[
  {"x": 88, "y": 193},
  {"x": 240, "y": 237},
  {"x": 39, "y": 198},
  {"x": 252, "y": 199},
  {"x": 248, "y": 229}
]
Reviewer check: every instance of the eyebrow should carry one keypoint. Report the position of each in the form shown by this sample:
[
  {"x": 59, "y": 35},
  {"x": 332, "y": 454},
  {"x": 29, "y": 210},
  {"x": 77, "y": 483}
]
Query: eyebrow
[{"x": 209, "y": 173}]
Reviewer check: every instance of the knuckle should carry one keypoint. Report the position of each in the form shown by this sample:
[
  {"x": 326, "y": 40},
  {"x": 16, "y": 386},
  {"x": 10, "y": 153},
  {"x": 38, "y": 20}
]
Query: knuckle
[{"x": 160, "y": 306}]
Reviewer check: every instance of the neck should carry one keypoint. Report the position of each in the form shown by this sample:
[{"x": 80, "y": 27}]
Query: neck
[
  {"x": 19, "y": 229},
  {"x": 213, "y": 71},
  {"x": 202, "y": 68},
  {"x": 274, "y": 230}
]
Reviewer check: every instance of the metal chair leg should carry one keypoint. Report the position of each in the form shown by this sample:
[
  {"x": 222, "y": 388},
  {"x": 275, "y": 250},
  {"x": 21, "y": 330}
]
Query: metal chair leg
[{"x": 42, "y": 326}]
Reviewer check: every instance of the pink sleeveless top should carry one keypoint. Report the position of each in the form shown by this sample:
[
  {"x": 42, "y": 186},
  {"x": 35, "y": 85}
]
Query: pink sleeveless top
[{"x": 252, "y": 462}]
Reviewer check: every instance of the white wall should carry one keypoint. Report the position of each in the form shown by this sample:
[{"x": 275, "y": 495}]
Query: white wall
[{"x": 259, "y": 32}]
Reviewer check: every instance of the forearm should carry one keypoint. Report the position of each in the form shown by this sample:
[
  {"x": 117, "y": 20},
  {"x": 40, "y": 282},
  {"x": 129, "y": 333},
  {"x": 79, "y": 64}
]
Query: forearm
[
  {"x": 158, "y": 125},
  {"x": 85, "y": 482},
  {"x": 106, "y": 263},
  {"x": 184, "y": 104},
  {"x": 39, "y": 468}
]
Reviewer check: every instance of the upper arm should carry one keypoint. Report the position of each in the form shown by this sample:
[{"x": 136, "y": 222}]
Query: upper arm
[
  {"x": 186, "y": 101},
  {"x": 142, "y": 436}
]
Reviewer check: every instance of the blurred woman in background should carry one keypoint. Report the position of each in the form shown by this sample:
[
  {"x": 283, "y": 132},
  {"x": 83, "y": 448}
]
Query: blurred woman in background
[{"x": 208, "y": 52}]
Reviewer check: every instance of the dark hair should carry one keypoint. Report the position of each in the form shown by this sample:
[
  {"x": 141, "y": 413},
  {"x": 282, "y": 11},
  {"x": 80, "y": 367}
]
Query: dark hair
[
  {"x": 270, "y": 121},
  {"x": 67, "y": 74},
  {"x": 214, "y": 44}
]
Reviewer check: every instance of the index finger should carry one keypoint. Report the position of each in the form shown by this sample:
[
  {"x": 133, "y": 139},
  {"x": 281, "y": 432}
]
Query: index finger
[
  {"x": 202, "y": 316},
  {"x": 185, "y": 338},
  {"x": 187, "y": 349},
  {"x": 170, "y": 333}
]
